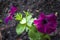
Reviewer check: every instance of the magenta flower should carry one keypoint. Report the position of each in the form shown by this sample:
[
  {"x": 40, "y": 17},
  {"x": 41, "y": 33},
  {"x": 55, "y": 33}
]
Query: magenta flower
[
  {"x": 7, "y": 19},
  {"x": 13, "y": 9},
  {"x": 11, "y": 13},
  {"x": 46, "y": 23}
]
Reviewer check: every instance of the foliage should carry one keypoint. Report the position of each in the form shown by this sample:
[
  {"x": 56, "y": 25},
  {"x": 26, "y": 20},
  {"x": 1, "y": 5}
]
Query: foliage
[
  {"x": 24, "y": 22},
  {"x": 20, "y": 28},
  {"x": 0, "y": 20},
  {"x": 18, "y": 16}
]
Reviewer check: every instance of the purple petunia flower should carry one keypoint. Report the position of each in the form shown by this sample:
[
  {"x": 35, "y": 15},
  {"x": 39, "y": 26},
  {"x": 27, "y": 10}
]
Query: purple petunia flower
[
  {"x": 13, "y": 9},
  {"x": 46, "y": 23},
  {"x": 7, "y": 19},
  {"x": 11, "y": 13}
]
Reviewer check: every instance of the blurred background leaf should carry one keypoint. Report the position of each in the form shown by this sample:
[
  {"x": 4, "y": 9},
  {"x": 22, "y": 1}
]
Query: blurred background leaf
[{"x": 0, "y": 20}]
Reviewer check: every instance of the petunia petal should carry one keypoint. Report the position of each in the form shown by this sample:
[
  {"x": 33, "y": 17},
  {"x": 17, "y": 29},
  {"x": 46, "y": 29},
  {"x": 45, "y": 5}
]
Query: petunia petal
[
  {"x": 42, "y": 15},
  {"x": 13, "y": 9},
  {"x": 49, "y": 26},
  {"x": 7, "y": 19}
]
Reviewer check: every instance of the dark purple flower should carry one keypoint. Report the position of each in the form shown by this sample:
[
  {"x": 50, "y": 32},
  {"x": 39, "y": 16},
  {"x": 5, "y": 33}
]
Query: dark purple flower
[
  {"x": 13, "y": 9},
  {"x": 7, "y": 19},
  {"x": 11, "y": 13},
  {"x": 46, "y": 23}
]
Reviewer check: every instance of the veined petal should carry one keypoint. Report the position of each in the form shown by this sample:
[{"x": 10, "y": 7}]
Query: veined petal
[{"x": 46, "y": 23}]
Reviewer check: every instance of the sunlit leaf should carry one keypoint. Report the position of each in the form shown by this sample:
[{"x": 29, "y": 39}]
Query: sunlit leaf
[
  {"x": 30, "y": 22},
  {"x": 23, "y": 21},
  {"x": 29, "y": 17},
  {"x": 18, "y": 16}
]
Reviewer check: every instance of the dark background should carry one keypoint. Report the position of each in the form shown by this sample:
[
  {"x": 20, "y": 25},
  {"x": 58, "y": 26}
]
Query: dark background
[{"x": 35, "y": 7}]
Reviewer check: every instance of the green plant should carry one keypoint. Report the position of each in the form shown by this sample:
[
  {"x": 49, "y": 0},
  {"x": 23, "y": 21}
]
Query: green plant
[
  {"x": 26, "y": 22},
  {"x": 0, "y": 20}
]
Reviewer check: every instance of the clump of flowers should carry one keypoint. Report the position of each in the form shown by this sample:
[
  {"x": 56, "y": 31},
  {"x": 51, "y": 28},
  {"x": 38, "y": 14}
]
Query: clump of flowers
[
  {"x": 46, "y": 23},
  {"x": 13, "y": 9},
  {"x": 38, "y": 29}
]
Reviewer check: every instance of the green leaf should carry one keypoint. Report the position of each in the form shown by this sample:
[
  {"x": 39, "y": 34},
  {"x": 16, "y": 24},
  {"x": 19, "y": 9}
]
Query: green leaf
[
  {"x": 18, "y": 16},
  {"x": 34, "y": 34},
  {"x": 27, "y": 29},
  {"x": 26, "y": 13},
  {"x": 0, "y": 20},
  {"x": 30, "y": 22},
  {"x": 23, "y": 21},
  {"x": 47, "y": 36},
  {"x": 29, "y": 17},
  {"x": 20, "y": 28}
]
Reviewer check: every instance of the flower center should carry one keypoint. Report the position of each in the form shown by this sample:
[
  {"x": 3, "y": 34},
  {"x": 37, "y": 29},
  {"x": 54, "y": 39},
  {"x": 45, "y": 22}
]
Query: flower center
[{"x": 44, "y": 21}]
